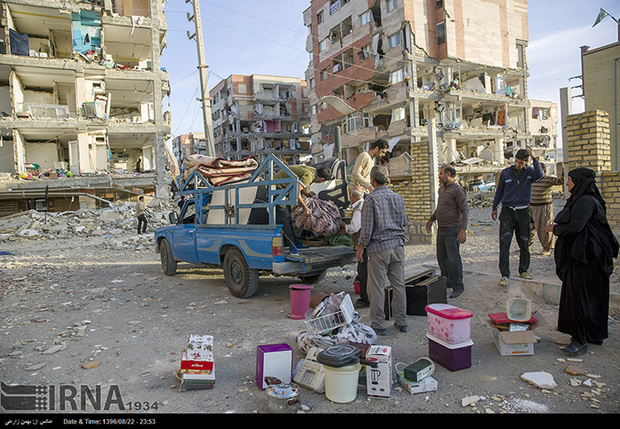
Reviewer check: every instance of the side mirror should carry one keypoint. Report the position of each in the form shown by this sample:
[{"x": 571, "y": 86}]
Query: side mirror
[{"x": 173, "y": 218}]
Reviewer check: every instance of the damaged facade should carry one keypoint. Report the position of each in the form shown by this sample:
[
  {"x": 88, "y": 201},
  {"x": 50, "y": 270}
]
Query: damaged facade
[
  {"x": 81, "y": 91},
  {"x": 257, "y": 115},
  {"x": 404, "y": 70}
]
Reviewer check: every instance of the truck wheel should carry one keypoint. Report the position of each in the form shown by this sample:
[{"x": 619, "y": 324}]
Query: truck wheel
[
  {"x": 313, "y": 278},
  {"x": 168, "y": 264},
  {"x": 242, "y": 281}
]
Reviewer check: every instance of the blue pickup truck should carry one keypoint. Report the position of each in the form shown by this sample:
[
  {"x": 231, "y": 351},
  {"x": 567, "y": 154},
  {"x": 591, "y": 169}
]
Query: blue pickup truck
[{"x": 233, "y": 226}]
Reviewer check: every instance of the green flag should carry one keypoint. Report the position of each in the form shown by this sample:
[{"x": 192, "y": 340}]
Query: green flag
[{"x": 601, "y": 15}]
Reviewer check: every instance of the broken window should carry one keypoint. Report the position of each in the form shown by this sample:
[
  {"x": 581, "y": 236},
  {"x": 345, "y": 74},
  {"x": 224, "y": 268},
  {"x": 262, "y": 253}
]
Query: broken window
[
  {"x": 395, "y": 40},
  {"x": 366, "y": 17},
  {"x": 396, "y": 76},
  {"x": 441, "y": 33},
  {"x": 398, "y": 114}
]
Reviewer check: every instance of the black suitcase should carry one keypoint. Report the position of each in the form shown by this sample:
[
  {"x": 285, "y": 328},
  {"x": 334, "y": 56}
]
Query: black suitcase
[
  {"x": 422, "y": 289},
  {"x": 429, "y": 290}
]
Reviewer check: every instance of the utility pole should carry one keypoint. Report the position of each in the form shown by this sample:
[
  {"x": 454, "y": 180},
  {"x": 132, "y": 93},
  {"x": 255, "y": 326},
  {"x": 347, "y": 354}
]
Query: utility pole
[{"x": 204, "y": 81}]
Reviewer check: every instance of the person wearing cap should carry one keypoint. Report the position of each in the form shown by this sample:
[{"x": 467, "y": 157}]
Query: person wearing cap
[
  {"x": 541, "y": 210},
  {"x": 584, "y": 256},
  {"x": 356, "y": 195},
  {"x": 514, "y": 191}
]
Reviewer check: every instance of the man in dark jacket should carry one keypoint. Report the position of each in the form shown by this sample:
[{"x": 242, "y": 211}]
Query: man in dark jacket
[{"x": 514, "y": 191}]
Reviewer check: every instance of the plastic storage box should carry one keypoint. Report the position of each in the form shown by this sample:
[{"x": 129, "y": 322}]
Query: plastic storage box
[
  {"x": 451, "y": 356},
  {"x": 449, "y": 324}
]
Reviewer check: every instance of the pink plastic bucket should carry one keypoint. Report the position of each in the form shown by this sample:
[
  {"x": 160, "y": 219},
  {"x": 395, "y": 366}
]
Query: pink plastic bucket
[{"x": 300, "y": 300}]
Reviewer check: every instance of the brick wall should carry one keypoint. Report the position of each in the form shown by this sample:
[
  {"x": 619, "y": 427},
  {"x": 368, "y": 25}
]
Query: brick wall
[
  {"x": 588, "y": 145},
  {"x": 417, "y": 193},
  {"x": 588, "y": 141},
  {"x": 610, "y": 188}
]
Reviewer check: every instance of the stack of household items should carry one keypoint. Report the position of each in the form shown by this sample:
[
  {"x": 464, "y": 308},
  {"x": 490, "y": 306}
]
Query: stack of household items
[
  {"x": 449, "y": 339},
  {"x": 513, "y": 331},
  {"x": 197, "y": 369}
]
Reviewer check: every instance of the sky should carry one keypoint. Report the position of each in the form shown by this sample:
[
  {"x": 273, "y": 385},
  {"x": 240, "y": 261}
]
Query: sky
[{"x": 268, "y": 37}]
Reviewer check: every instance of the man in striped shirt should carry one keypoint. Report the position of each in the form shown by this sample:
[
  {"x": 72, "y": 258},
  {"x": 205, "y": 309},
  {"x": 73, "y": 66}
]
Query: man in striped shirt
[
  {"x": 382, "y": 236},
  {"x": 541, "y": 210}
]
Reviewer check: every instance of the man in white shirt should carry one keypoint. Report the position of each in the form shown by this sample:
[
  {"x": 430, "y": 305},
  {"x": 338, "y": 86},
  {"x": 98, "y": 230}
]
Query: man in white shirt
[
  {"x": 356, "y": 195},
  {"x": 360, "y": 175}
]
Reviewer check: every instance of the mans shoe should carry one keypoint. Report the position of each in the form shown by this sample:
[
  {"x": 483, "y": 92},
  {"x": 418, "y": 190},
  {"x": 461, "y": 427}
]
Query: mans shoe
[
  {"x": 456, "y": 292},
  {"x": 525, "y": 275},
  {"x": 503, "y": 282},
  {"x": 301, "y": 246},
  {"x": 402, "y": 328},
  {"x": 360, "y": 303},
  {"x": 381, "y": 332},
  {"x": 575, "y": 349}
]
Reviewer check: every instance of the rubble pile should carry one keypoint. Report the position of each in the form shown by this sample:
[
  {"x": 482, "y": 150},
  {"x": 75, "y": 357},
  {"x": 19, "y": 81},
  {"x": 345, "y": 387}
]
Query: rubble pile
[
  {"x": 117, "y": 223},
  {"x": 480, "y": 199}
]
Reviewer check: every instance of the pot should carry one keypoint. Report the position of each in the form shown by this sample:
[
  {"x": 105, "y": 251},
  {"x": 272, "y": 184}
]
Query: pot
[
  {"x": 283, "y": 397},
  {"x": 343, "y": 355}
]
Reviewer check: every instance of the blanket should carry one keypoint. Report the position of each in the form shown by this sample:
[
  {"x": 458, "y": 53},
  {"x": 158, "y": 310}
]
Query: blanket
[
  {"x": 324, "y": 216},
  {"x": 219, "y": 171}
]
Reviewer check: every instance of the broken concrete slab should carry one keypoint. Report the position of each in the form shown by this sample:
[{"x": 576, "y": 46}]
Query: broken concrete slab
[{"x": 540, "y": 379}]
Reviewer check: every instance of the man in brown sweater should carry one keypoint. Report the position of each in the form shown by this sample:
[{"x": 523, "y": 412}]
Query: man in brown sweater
[
  {"x": 451, "y": 215},
  {"x": 541, "y": 210}
]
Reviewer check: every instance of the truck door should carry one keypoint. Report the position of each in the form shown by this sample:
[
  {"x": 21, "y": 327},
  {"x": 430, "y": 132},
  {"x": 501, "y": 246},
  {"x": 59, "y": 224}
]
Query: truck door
[{"x": 184, "y": 234}]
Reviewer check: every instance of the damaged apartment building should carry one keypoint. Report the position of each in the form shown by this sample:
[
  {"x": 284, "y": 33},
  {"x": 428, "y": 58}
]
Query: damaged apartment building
[
  {"x": 81, "y": 91},
  {"x": 444, "y": 75},
  {"x": 260, "y": 114}
]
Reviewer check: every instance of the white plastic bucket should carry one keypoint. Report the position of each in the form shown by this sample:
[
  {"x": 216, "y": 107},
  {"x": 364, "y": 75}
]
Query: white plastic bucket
[{"x": 341, "y": 382}]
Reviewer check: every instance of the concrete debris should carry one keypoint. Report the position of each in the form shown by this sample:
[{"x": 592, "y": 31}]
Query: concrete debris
[
  {"x": 540, "y": 379},
  {"x": 118, "y": 224},
  {"x": 54, "y": 349},
  {"x": 575, "y": 370},
  {"x": 470, "y": 401},
  {"x": 90, "y": 364}
]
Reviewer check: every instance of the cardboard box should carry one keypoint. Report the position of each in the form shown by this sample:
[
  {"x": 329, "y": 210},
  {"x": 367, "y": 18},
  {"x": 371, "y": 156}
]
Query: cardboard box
[
  {"x": 197, "y": 364},
  {"x": 427, "y": 384},
  {"x": 379, "y": 379},
  {"x": 198, "y": 355},
  {"x": 512, "y": 343},
  {"x": 273, "y": 360}
]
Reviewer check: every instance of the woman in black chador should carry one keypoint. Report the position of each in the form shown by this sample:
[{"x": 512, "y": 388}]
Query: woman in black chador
[{"x": 584, "y": 254}]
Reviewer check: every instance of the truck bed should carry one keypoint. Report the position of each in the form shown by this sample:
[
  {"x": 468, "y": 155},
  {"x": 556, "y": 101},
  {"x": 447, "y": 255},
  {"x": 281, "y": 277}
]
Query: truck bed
[{"x": 316, "y": 259}]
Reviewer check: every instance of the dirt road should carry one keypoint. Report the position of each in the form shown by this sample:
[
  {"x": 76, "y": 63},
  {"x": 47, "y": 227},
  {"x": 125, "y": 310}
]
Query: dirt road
[{"x": 97, "y": 311}]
